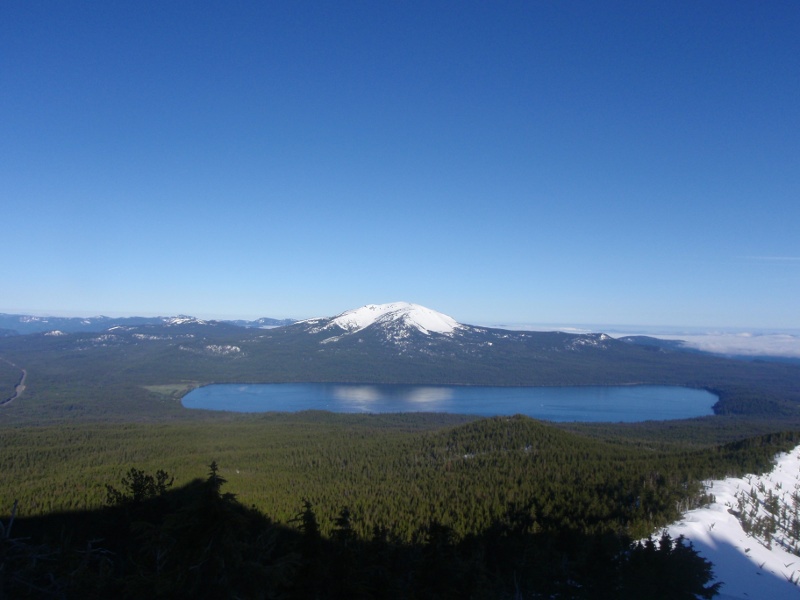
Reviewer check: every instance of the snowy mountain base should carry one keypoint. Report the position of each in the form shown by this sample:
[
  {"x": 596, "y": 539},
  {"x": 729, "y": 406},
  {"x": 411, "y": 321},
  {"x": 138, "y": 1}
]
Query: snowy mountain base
[{"x": 750, "y": 532}]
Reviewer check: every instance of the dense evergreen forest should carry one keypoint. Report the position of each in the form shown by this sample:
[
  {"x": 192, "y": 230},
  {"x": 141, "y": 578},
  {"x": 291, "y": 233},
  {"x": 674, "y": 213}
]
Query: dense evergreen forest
[
  {"x": 200, "y": 542},
  {"x": 418, "y": 506},
  {"x": 462, "y": 475}
]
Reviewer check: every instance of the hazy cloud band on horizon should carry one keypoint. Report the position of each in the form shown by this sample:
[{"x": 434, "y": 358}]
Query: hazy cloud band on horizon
[{"x": 775, "y": 258}]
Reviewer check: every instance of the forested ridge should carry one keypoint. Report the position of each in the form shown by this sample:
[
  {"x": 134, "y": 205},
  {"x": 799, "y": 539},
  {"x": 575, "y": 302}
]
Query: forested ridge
[
  {"x": 197, "y": 541},
  {"x": 350, "y": 505},
  {"x": 463, "y": 476}
]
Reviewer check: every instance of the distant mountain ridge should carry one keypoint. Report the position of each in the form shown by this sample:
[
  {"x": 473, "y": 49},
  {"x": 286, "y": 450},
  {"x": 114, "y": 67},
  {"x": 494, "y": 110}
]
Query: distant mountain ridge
[{"x": 14, "y": 324}]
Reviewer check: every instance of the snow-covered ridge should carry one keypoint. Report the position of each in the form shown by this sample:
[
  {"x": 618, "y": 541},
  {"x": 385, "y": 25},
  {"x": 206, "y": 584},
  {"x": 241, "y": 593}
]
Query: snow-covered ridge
[
  {"x": 31, "y": 319},
  {"x": 761, "y": 562},
  {"x": 415, "y": 316},
  {"x": 183, "y": 320},
  {"x": 223, "y": 350}
]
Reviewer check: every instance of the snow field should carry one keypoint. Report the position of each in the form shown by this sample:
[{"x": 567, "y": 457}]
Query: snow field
[{"x": 755, "y": 563}]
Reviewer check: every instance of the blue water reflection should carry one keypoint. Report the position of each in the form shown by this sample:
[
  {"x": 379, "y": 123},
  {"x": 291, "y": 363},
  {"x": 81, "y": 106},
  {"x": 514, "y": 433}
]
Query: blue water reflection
[{"x": 612, "y": 403}]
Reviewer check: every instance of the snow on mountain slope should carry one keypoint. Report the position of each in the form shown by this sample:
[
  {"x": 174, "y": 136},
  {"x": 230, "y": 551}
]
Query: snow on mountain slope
[
  {"x": 750, "y": 565},
  {"x": 399, "y": 317},
  {"x": 412, "y": 315},
  {"x": 182, "y": 320}
]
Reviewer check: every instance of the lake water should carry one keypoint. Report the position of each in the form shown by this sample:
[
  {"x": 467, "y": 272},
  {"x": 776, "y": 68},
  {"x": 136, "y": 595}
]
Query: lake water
[{"x": 611, "y": 403}]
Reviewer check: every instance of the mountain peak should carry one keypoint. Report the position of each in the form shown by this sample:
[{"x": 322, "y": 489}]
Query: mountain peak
[
  {"x": 419, "y": 317},
  {"x": 183, "y": 320},
  {"x": 396, "y": 319}
]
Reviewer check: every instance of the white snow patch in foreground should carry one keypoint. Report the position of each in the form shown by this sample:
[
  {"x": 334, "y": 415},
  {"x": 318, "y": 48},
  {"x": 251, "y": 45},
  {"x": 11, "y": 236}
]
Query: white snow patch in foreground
[{"x": 748, "y": 569}]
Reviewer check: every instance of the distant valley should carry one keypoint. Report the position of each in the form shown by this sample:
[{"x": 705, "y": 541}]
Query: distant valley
[{"x": 77, "y": 362}]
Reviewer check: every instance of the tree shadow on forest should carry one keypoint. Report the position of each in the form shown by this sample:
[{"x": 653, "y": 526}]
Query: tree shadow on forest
[{"x": 198, "y": 542}]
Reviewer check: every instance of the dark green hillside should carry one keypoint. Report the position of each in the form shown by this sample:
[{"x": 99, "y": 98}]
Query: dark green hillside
[
  {"x": 698, "y": 433},
  {"x": 396, "y": 470},
  {"x": 345, "y": 506},
  {"x": 199, "y": 541}
]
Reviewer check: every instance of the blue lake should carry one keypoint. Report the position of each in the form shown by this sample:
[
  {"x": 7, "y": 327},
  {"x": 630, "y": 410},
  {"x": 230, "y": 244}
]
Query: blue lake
[{"x": 611, "y": 403}]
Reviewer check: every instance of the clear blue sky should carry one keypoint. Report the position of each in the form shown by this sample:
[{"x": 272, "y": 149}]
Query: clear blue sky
[{"x": 566, "y": 162}]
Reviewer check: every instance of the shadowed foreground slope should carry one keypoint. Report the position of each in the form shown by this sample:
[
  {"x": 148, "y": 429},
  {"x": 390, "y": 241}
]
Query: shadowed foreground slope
[{"x": 199, "y": 542}]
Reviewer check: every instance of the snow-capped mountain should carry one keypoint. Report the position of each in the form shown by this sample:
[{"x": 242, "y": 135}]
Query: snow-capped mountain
[
  {"x": 182, "y": 320},
  {"x": 403, "y": 328},
  {"x": 397, "y": 320},
  {"x": 419, "y": 317}
]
